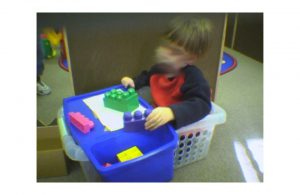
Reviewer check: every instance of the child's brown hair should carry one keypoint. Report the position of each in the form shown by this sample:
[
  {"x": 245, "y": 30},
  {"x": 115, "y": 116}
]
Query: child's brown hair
[{"x": 193, "y": 34}]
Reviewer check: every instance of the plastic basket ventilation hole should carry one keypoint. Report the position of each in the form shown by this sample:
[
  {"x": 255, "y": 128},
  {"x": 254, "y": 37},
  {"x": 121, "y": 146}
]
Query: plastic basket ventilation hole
[
  {"x": 180, "y": 152},
  {"x": 181, "y": 145},
  {"x": 188, "y": 149},
  {"x": 182, "y": 138}
]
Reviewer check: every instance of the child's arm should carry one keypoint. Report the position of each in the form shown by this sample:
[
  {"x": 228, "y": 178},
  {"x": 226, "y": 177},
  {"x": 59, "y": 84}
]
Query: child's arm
[
  {"x": 196, "y": 99},
  {"x": 138, "y": 82},
  {"x": 141, "y": 80},
  {"x": 195, "y": 105}
]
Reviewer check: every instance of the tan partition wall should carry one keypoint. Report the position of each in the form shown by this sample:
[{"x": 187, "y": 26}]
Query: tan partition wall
[{"x": 103, "y": 47}]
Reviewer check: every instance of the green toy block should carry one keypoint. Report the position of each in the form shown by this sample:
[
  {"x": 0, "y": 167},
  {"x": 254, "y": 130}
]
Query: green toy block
[
  {"x": 123, "y": 101},
  {"x": 47, "y": 49}
]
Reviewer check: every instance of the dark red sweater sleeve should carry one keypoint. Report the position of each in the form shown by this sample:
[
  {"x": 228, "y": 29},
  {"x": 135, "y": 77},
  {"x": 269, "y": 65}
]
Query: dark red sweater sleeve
[
  {"x": 196, "y": 98},
  {"x": 143, "y": 79}
]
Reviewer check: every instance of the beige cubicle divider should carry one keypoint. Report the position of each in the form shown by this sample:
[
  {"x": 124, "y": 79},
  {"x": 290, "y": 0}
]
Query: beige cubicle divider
[{"x": 104, "y": 47}]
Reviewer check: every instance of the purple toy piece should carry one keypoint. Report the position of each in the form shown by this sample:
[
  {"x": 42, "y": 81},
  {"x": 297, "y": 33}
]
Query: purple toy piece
[
  {"x": 127, "y": 116},
  {"x": 138, "y": 115},
  {"x": 137, "y": 122}
]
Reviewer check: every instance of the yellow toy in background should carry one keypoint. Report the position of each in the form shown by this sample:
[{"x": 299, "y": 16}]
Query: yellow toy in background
[
  {"x": 129, "y": 154},
  {"x": 53, "y": 36}
]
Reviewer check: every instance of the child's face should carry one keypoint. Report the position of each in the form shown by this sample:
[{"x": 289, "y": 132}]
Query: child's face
[{"x": 173, "y": 57}]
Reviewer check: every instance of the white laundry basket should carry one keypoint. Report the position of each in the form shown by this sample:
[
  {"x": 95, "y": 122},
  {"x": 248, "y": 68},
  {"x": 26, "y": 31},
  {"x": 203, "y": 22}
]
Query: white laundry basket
[
  {"x": 193, "y": 143},
  {"x": 194, "y": 139},
  {"x": 74, "y": 152}
]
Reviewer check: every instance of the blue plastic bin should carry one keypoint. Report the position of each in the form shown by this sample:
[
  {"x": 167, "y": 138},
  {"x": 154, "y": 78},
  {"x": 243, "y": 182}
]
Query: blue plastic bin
[{"x": 156, "y": 164}]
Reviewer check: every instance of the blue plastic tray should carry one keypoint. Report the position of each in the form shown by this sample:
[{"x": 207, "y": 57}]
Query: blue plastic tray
[{"x": 102, "y": 146}]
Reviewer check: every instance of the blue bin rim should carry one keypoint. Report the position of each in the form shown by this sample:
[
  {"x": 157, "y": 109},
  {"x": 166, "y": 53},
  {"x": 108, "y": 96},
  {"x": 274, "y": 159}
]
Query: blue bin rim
[{"x": 102, "y": 169}]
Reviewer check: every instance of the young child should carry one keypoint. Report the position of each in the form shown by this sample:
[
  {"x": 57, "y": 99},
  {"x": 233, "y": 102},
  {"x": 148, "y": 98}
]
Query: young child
[{"x": 179, "y": 91}]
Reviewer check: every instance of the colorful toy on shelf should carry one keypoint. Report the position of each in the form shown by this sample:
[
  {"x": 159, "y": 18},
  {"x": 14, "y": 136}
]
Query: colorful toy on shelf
[
  {"x": 123, "y": 101},
  {"x": 53, "y": 36},
  {"x": 81, "y": 122},
  {"x": 137, "y": 121},
  {"x": 46, "y": 47},
  {"x": 129, "y": 154}
]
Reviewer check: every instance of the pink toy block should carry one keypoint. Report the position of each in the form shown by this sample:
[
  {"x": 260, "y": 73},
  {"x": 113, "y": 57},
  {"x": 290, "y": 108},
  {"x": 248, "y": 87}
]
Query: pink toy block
[{"x": 81, "y": 122}]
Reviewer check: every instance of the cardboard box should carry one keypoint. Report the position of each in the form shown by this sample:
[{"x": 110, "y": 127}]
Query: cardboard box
[{"x": 51, "y": 160}]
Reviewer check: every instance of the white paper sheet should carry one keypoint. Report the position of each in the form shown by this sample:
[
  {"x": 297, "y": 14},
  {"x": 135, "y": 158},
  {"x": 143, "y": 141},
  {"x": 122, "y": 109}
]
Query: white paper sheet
[{"x": 111, "y": 119}]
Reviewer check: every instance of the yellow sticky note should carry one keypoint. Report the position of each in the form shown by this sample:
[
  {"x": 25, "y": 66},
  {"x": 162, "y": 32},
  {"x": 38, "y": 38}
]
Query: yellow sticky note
[{"x": 129, "y": 154}]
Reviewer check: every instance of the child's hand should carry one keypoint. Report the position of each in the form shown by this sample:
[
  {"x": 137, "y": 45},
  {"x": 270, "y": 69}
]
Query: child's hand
[
  {"x": 127, "y": 81},
  {"x": 158, "y": 117}
]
